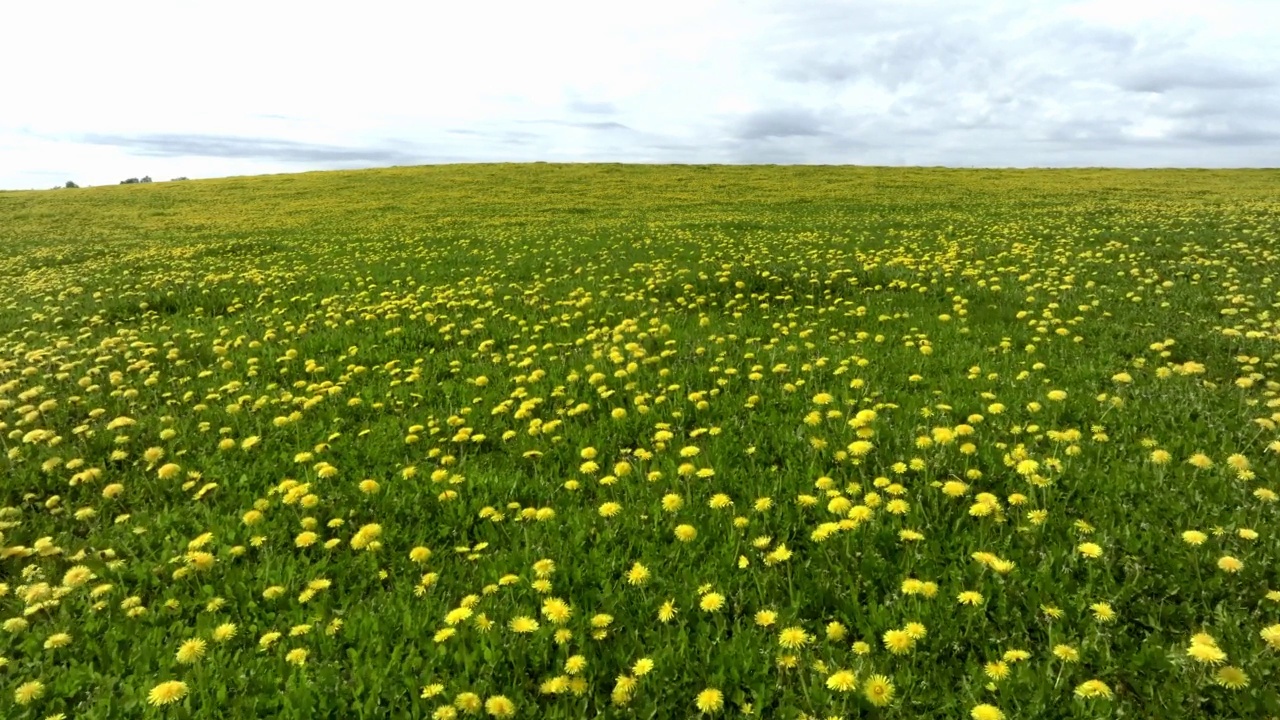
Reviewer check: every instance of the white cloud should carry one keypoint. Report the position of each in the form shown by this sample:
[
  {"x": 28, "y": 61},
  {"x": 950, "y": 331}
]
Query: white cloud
[{"x": 107, "y": 91}]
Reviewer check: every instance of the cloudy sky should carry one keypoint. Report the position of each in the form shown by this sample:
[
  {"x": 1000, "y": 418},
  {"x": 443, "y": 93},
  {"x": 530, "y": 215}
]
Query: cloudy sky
[{"x": 97, "y": 91}]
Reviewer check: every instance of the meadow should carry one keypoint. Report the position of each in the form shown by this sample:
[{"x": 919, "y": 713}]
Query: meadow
[{"x": 576, "y": 441}]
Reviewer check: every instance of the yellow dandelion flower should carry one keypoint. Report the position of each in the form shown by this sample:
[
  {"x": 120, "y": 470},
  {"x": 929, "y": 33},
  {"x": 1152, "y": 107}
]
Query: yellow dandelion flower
[
  {"x": 1103, "y": 612},
  {"x": 1230, "y": 677},
  {"x": 1206, "y": 653},
  {"x": 523, "y": 624},
  {"x": 638, "y": 574},
  {"x": 842, "y": 681},
  {"x": 28, "y": 692},
  {"x": 1066, "y": 653},
  {"x": 984, "y": 711},
  {"x": 191, "y": 651},
  {"x": 898, "y": 642},
  {"x": 711, "y": 602},
  {"x": 667, "y": 612},
  {"x": 499, "y": 706},
  {"x": 556, "y": 611},
  {"x": 878, "y": 690},
  {"x": 1271, "y": 634},
  {"x": 167, "y": 692},
  {"x": 1089, "y": 550},
  {"x": 57, "y": 640},
  {"x": 1093, "y": 689},
  {"x": 793, "y": 637},
  {"x": 709, "y": 701}
]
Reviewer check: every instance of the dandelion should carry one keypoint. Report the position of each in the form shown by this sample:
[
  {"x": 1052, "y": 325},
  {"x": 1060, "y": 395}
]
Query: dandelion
[
  {"x": 1230, "y": 677},
  {"x": 523, "y": 624},
  {"x": 623, "y": 689},
  {"x": 1093, "y": 689},
  {"x": 969, "y": 597},
  {"x": 878, "y": 690},
  {"x": 457, "y": 615},
  {"x": 191, "y": 651},
  {"x": 711, "y": 602},
  {"x": 1089, "y": 550},
  {"x": 28, "y": 692},
  {"x": 57, "y": 640},
  {"x": 638, "y": 574},
  {"x": 984, "y": 711},
  {"x": 793, "y": 638},
  {"x": 1206, "y": 653},
  {"x": 1066, "y": 653},
  {"x": 667, "y": 612},
  {"x": 709, "y": 701},
  {"x": 1271, "y": 635},
  {"x": 499, "y": 706},
  {"x": 1227, "y": 563},
  {"x": 556, "y": 611},
  {"x": 842, "y": 681},
  {"x": 468, "y": 702},
  {"x": 898, "y": 642},
  {"x": 167, "y": 692},
  {"x": 77, "y": 576}
]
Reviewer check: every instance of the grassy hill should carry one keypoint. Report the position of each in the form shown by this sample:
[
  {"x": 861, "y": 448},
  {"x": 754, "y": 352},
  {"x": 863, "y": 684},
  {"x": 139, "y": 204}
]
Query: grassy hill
[{"x": 567, "y": 441}]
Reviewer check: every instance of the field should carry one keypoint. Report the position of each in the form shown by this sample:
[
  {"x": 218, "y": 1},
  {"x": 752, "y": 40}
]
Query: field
[{"x": 574, "y": 441}]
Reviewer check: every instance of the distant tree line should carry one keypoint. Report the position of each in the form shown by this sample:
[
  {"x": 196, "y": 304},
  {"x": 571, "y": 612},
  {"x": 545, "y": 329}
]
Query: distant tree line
[{"x": 131, "y": 181}]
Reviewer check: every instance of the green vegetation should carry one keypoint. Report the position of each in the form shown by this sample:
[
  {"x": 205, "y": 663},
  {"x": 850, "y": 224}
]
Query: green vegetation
[{"x": 567, "y": 441}]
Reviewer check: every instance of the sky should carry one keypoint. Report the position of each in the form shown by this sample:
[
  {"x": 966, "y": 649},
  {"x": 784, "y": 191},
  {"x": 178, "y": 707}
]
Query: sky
[{"x": 97, "y": 92}]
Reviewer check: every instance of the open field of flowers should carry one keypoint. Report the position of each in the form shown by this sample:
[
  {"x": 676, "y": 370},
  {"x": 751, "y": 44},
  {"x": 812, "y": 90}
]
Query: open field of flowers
[{"x": 656, "y": 442}]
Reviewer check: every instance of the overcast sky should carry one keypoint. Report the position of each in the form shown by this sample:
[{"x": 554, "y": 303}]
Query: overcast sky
[{"x": 96, "y": 92}]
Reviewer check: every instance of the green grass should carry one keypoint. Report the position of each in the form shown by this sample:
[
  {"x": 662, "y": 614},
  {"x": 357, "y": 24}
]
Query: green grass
[{"x": 345, "y": 320}]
